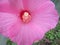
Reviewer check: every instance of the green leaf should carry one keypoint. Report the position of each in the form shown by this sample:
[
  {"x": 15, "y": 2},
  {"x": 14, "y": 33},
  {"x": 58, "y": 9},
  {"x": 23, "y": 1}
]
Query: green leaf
[{"x": 9, "y": 42}]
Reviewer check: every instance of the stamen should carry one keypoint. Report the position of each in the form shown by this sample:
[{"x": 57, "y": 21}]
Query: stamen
[{"x": 26, "y": 17}]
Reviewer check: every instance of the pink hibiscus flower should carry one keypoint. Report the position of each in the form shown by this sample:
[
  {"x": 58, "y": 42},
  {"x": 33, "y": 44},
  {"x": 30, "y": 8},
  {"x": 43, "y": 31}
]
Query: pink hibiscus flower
[{"x": 26, "y": 21}]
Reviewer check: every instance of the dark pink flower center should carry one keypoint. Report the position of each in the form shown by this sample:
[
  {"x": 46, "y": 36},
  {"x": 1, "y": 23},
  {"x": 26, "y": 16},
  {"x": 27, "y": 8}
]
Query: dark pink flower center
[{"x": 25, "y": 16}]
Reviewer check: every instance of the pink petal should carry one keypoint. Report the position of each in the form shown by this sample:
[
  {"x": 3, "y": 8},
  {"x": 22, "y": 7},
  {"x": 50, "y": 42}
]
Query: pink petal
[
  {"x": 16, "y": 4},
  {"x": 46, "y": 17},
  {"x": 4, "y": 5},
  {"x": 18, "y": 32},
  {"x": 6, "y": 22},
  {"x": 47, "y": 7},
  {"x": 11, "y": 6},
  {"x": 4, "y": 1},
  {"x": 28, "y": 34},
  {"x": 33, "y": 4}
]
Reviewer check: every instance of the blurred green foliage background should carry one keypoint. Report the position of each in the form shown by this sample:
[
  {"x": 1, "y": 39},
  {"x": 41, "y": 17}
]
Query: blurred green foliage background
[{"x": 51, "y": 38}]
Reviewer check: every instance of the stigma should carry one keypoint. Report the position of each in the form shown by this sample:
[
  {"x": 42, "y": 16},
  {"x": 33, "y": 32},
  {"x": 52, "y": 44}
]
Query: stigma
[{"x": 25, "y": 17}]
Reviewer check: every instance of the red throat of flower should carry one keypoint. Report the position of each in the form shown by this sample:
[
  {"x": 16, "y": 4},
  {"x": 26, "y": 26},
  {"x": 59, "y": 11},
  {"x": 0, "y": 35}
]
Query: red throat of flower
[{"x": 25, "y": 16}]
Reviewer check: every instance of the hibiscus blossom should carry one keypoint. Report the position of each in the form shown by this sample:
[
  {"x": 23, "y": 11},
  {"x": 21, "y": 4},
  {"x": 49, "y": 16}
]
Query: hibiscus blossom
[{"x": 26, "y": 21}]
